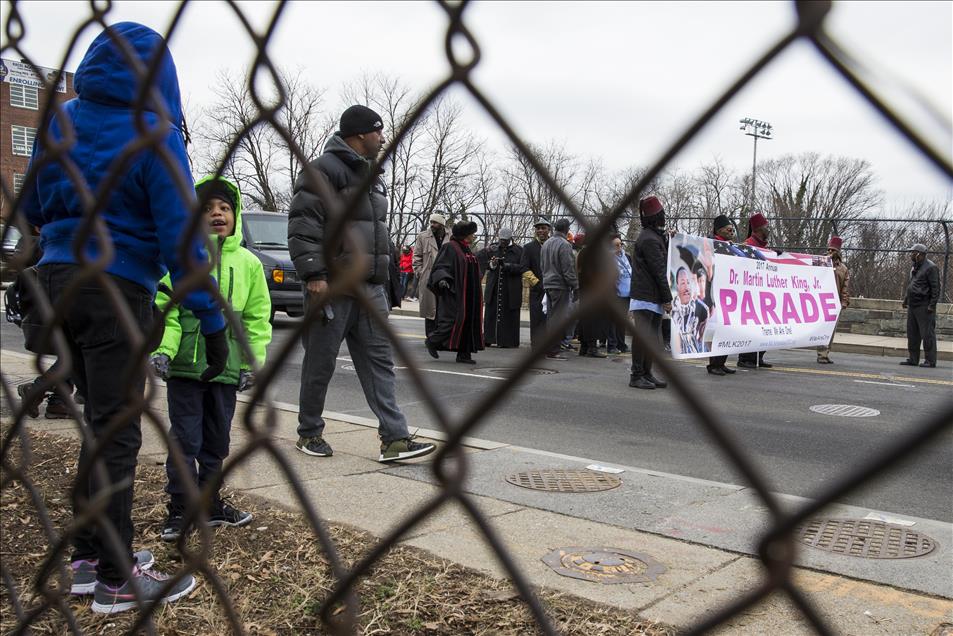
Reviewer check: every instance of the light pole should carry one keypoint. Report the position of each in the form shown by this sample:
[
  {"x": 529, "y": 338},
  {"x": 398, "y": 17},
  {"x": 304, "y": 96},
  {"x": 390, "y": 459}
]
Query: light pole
[{"x": 758, "y": 130}]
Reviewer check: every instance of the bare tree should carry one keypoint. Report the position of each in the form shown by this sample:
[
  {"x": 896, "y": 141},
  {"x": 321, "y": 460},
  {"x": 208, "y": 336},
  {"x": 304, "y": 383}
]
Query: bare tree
[
  {"x": 262, "y": 163},
  {"x": 815, "y": 190}
]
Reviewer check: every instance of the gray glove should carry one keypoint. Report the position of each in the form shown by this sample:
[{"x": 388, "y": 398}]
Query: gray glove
[
  {"x": 246, "y": 380},
  {"x": 160, "y": 364}
]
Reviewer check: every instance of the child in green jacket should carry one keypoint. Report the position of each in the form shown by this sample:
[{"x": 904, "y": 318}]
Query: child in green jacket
[{"x": 201, "y": 412}]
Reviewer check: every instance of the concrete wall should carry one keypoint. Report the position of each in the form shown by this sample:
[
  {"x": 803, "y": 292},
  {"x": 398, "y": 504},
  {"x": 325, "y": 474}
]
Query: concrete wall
[{"x": 878, "y": 317}]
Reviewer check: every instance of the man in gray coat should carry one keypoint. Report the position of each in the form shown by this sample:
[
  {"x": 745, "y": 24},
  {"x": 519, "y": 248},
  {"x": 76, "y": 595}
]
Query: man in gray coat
[
  {"x": 348, "y": 156},
  {"x": 923, "y": 293},
  {"x": 558, "y": 262},
  {"x": 425, "y": 254}
]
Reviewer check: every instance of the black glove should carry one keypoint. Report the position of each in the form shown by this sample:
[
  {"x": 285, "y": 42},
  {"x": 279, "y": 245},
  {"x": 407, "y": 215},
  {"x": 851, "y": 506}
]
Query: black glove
[
  {"x": 216, "y": 354},
  {"x": 444, "y": 285},
  {"x": 160, "y": 364},
  {"x": 246, "y": 380}
]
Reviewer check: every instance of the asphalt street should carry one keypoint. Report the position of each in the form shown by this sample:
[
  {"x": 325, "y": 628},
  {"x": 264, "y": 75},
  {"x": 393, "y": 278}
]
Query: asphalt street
[{"x": 583, "y": 407}]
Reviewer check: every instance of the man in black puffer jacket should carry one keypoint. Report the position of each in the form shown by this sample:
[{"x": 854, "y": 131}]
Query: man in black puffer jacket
[{"x": 348, "y": 157}]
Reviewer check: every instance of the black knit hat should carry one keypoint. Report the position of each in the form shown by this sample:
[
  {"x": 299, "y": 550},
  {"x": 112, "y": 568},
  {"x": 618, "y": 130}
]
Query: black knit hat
[
  {"x": 358, "y": 120},
  {"x": 215, "y": 189},
  {"x": 464, "y": 229},
  {"x": 721, "y": 221}
]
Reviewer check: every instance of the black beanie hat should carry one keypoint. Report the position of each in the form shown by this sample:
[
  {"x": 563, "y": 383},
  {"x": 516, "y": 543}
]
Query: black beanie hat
[
  {"x": 358, "y": 120},
  {"x": 464, "y": 229},
  {"x": 216, "y": 189},
  {"x": 721, "y": 221}
]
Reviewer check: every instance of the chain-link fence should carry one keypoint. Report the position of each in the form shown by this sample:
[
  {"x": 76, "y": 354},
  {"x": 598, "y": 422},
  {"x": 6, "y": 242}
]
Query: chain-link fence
[{"x": 339, "y": 609}]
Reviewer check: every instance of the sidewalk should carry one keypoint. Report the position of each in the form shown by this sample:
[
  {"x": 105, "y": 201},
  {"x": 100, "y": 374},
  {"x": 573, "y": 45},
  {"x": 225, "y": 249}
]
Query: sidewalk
[
  {"x": 674, "y": 520},
  {"x": 843, "y": 341}
]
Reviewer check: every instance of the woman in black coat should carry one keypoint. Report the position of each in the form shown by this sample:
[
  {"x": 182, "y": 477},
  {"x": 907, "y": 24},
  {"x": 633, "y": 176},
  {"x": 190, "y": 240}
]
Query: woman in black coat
[{"x": 455, "y": 280}]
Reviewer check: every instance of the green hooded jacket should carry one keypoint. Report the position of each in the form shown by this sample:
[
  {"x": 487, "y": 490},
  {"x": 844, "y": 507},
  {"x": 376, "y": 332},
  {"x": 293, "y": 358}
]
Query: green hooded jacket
[{"x": 241, "y": 281}]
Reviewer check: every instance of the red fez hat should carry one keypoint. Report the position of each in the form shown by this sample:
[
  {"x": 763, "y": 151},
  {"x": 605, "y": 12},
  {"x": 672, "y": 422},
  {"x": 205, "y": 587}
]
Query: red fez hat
[
  {"x": 650, "y": 206},
  {"x": 835, "y": 242},
  {"x": 757, "y": 221}
]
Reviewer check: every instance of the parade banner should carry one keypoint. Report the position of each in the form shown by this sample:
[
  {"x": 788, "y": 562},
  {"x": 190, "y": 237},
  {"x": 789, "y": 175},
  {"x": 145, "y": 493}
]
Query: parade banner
[{"x": 729, "y": 298}]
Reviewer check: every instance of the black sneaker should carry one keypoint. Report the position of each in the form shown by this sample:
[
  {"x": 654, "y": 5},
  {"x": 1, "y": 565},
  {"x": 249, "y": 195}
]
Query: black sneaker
[
  {"x": 173, "y": 526},
  {"x": 32, "y": 408},
  {"x": 314, "y": 446},
  {"x": 431, "y": 349},
  {"x": 56, "y": 408},
  {"x": 405, "y": 448},
  {"x": 728, "y": 370},
  {"x": 555, "y": 356},
  {"x": 659, "y": 384},
  {"x": 640, "y": 383},
  {"x": 226, "y": 514},
  {"x": 928, "y": 365},
  {"x": 909, "y": 363},
  {"x": 716, "y": 371}
]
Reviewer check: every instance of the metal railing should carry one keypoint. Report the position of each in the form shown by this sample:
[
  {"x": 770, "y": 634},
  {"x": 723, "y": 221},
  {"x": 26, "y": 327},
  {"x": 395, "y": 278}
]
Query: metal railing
[{"x": 776, "y": 547}]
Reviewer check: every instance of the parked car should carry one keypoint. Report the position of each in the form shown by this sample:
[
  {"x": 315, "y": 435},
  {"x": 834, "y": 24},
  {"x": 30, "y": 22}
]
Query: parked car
[
  {"x": 265, "y": 234},
  {"x": 11, "y": 238}
]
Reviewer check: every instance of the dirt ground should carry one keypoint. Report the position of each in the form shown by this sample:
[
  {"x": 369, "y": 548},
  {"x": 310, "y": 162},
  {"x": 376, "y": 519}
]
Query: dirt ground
[{"x": 272, "y": 572}]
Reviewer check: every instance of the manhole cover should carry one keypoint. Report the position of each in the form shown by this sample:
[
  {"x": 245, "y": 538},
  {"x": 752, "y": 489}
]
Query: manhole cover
[
  {"x": 604, "y": 565},
  {"x": 845, "y": 410},
  {"x": 510, "y": 370},
  {"x": 943, "y": 629},
  {"x": 564, "y": 480},
  {"x": 865, "y": 538}
]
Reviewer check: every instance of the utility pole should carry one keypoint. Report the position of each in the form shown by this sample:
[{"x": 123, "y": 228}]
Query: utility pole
[{"x": 756, "y": 129}]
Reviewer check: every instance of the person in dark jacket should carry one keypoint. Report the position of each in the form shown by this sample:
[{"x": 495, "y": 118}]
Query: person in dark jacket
[
  {"x": 533, "y": 278},
  {"x": 758, "y": 234},
  {"x": 593, "y": 328},
  {"x": 923, "y": 293},
  {"x": 558, "y": 262},
  {"x": 504, "y": 291},
  {"x": 722, "y": 233},
  {"x": 346, "y": 162},
  {"x": 455, "y": 281},
  {"x": 650, "y": 295},
  {"x": 146, "y": 218}
]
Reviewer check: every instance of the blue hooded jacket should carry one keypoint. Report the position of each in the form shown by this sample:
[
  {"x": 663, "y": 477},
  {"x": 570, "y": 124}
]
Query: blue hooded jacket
[{"x": 146, "y": 213}]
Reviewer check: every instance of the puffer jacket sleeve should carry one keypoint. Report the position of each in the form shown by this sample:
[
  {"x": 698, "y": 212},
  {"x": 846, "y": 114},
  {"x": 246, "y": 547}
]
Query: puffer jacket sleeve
[
  {"x": 306, "y": 223},
  {"x": 172, "y": 335},
  {"x": 170, "y": 212},
  {"x": 256, "y": 314}
]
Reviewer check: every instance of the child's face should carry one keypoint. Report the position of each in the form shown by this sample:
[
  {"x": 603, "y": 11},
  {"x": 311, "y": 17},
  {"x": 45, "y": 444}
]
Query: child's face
[{"x": 220, "y": 217}]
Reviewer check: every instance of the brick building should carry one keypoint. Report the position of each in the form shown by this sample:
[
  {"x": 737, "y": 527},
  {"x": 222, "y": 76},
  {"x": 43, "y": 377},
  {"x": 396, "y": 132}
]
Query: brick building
[{"x": 23, "y": 96}]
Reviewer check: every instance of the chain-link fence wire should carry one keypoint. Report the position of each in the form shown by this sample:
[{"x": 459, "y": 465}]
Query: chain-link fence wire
[{"x": 339, "y": 610}]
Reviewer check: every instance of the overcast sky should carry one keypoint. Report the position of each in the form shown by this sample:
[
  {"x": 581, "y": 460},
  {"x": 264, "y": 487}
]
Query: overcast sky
[{"x": 616, "y": 81}]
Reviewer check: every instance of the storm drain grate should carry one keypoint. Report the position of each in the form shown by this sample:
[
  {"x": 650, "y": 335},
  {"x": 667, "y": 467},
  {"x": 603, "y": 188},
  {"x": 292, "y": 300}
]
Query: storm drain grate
[
  {"x": 845, "y": 410},
  {"x": 865, "y": 538},
  {"x": 604, "y": 565},
  {"x": 564, "y": 480}
]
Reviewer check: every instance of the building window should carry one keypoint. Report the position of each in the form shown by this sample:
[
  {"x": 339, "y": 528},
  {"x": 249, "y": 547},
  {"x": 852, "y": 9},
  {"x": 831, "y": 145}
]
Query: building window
[
  {"x": 24, "y": 96},
  {"x": 18, "y": 180},
  {"x": 23, "y": 137}
]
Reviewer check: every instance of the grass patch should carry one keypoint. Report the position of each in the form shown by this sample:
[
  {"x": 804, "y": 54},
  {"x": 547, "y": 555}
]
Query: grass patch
[{"x": 274, "y": 573}]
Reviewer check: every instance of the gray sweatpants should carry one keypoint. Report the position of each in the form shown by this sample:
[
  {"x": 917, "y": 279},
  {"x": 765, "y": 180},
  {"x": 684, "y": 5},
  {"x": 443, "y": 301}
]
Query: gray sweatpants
[{"x": 370, "y": 352}]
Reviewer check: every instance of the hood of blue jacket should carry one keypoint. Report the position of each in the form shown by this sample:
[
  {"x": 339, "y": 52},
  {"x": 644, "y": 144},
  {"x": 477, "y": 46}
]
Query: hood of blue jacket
[{"x": 106, "y": 73}]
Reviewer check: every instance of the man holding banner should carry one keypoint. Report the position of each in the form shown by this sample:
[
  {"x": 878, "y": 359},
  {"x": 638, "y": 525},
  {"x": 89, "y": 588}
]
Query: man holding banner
[
  {"x": 758, "y": 233},
  {"x": 723, "y": 233},
  {"x": 841, "y": 274}
]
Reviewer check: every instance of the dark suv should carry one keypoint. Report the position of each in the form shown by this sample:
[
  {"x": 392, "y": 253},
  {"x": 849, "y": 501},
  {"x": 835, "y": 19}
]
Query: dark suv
[{"x": 265, "y": 234}]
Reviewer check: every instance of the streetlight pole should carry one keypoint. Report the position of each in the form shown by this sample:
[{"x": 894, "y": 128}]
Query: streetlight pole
[{"x": 756, "y": 129}]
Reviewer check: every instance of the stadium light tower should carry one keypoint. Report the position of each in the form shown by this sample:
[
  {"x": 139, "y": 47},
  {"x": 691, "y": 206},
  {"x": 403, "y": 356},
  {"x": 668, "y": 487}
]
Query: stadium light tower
[{"x": 756, "y": 129}]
